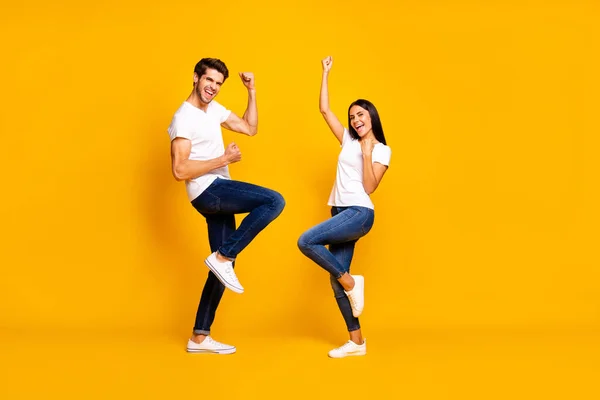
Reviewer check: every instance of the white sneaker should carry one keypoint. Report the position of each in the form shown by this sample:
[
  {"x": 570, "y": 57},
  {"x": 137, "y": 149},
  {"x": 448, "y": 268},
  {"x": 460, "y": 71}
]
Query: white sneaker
[
  {"x": 349, "y": 349},
  {"x": 211, "y": 346},
  {"x": 357, "y": 295},
  {"x": 224, "y": 272}
]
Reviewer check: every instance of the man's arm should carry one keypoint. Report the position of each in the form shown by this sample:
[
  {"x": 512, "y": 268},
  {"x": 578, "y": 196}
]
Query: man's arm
[
  {"x": 248, "y": 124},
  {"x": 183, "y": 168}
]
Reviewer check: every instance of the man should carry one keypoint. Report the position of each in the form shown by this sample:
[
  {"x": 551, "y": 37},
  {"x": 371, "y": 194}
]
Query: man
[{"x": 200, "y": 159}]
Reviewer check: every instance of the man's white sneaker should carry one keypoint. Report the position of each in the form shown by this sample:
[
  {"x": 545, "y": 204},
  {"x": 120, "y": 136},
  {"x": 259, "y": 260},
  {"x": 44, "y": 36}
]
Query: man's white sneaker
[
  {"x": 349, "y": 349},
  {"x": 209, "y": 345},
  {"x": 224, "y": 272},
  {"x": 357, "y": 295}
]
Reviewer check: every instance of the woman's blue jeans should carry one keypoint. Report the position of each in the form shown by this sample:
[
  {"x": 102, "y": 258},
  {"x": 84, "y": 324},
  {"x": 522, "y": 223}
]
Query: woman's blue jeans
[{"x": 340, "y": 232}]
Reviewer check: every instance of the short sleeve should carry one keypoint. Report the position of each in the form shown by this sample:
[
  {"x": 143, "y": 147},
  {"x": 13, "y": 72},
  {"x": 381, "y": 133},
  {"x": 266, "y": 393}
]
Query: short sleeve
[
  {"x": 382, "y": 154},
  {"x": 225, "y": 114},
  {"x": 221, "y": 112},
  {"x": 179, "y": 128}
]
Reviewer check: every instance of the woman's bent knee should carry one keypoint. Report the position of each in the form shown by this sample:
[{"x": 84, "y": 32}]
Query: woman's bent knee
[{"x": 303, "y": 243}]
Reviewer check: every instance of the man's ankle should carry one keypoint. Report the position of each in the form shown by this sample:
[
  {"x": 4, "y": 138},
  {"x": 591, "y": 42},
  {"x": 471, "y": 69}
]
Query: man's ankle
[
  {"x": 198, "y": 338},
  {"x": 222, "y": 258}
]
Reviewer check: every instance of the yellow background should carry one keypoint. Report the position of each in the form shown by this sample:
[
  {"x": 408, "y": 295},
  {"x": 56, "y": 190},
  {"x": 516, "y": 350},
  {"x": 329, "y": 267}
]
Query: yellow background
[{"x": 482, "y": 266}]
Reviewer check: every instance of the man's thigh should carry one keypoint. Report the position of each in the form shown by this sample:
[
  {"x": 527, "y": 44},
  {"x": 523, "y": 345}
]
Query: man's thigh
[{"x": 235, "y": 197}]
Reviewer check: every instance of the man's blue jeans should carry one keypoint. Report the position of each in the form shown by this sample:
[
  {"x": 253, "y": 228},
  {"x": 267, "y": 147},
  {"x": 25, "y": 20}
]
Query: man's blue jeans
[
  {"x": 218, "y": 204},
  {"x": 340, "y": 232}
]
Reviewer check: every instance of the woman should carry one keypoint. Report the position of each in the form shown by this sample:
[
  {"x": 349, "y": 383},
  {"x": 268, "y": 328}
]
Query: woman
[{"x": 362, "y": 162}]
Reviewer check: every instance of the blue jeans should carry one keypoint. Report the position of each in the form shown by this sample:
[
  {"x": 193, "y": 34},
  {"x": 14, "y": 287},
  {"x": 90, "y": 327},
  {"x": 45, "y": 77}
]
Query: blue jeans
[
  {"x": 340, "y": 232},
  {"x": 218, "y": 204}
]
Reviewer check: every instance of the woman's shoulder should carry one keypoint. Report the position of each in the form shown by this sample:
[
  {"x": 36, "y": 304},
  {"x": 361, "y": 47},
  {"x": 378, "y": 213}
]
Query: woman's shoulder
[{"x": 383, "y": 146}]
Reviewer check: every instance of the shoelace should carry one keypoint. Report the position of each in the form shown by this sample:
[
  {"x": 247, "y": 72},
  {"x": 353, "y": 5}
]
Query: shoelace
[
  {"x": 229, "y": 271},
  {"x": 351, "y": 298},
  {"x": 213, "y": 342}
]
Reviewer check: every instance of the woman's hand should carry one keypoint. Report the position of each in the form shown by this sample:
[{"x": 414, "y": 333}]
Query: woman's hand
[
  {"x": 366, "y": 146},
  {"x": 327, "y": 63}
]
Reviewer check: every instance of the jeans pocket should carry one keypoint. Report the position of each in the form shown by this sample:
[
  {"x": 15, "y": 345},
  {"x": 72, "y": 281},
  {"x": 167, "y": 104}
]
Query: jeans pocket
[{"x": 368, "y": 222}]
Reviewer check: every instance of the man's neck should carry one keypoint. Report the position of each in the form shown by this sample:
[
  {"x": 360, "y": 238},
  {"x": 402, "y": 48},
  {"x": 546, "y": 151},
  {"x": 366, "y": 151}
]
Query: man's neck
[{"x": 195, "y": 100}]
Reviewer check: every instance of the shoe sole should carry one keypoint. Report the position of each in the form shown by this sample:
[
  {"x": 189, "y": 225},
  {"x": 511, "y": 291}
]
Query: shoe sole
[
  {"x": 202, "y": 351},
  {"x": 358, "y": 353},
  {"x": 221, "y": 279}
]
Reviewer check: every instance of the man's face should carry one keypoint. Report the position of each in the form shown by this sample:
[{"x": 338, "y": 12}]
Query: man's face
[{"x": 208, "y": 85}]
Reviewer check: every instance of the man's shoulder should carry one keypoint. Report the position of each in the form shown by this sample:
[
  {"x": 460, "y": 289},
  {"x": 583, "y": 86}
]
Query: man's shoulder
[
  {"x": 184, "y": 109},
  {"x": 185, "y": 113},
  {"x": 215, "y": 106},
  {"x": 182, "y": 119}
]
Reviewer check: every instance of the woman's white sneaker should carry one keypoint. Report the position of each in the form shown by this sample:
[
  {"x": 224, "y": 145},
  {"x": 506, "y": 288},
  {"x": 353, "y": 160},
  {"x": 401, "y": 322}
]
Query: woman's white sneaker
[
  {"x": 224, "y": 272},
  {"x": 210, "y": 346},
  {"x": 357, "y": 295},
  {"x": 349, "y": 349}
]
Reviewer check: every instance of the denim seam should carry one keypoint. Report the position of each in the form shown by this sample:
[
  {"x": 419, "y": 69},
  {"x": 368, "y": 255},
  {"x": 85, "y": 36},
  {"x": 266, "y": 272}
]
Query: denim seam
[
  {"x": 362, "y": 227},
  {"x": 247, "y": 230},
  {"x": 208, "y": 193},
  {"x": 256, "y": 221},
  {"x": 218, "y": 200},
  {"x": 344, "y": 255},
  {"x": 338, "y": 225},
  {"x": 210, "y": 300},
  {"x": 345, "y": 250},
  {"x": 247, "y": 191},
  {"x": 214, "y": 291},
  {"x": 340, "y": 274}
]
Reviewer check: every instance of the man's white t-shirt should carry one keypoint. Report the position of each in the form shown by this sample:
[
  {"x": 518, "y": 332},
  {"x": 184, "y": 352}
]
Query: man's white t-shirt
[
  {"x": 203, "y": 129},
  {"x": 348, "y": 189}
]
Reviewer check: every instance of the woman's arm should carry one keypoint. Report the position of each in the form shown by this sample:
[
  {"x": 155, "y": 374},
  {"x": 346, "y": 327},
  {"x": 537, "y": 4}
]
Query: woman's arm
[
  {"x": 332, "y": 121},
  {"x": 372, "y": 172}
]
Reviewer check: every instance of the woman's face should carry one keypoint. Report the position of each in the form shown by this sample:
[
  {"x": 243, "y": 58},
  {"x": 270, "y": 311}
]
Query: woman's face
[{"x": 360, "y": 119}]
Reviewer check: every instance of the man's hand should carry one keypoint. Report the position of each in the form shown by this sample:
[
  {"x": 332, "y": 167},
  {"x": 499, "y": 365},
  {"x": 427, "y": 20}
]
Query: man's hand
[
  {"x": 247, "y": 79},
  {"x": 327, "y": 63},
  {"x": 232, "y": 153},
  {"x": 366, "y": 146}
]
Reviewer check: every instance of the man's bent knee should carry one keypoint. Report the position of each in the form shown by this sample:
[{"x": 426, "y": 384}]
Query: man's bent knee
[{"x": 278, "y": 202}]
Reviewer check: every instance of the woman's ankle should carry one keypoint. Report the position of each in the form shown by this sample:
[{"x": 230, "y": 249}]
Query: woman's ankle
[
  {"x": 356, "y": 337},
  {"x": 347, "y": 282}
]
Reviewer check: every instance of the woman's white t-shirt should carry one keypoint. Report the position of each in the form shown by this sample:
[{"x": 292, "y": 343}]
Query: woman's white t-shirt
[{"x": 348, "y": 189}]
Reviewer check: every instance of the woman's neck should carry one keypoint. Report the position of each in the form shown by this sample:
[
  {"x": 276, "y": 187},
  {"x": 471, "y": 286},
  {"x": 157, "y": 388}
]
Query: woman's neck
[{"x": 370, "y": 135}]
